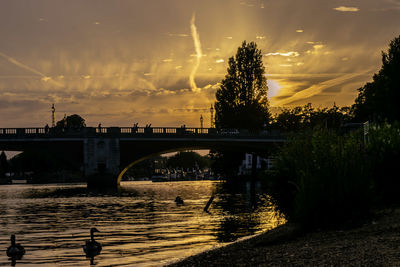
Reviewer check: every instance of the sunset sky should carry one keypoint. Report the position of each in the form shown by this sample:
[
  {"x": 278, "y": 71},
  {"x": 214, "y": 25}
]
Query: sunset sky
[{"x": 160, "y": 61}]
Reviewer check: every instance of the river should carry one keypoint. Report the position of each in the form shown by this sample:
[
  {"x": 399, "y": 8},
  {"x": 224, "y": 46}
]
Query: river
[{"x": 140, "y": 224}]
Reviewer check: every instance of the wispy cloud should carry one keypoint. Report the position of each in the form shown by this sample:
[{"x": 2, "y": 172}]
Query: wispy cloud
[
  {"x": 318, "y": 88},
  {"x": 178, "y": 35},
  {"x": 346, "y": 9},
  {"x": 243, "y": 3},
  {"x": 44, "y": 78},
  {"x": 317, "y": 48},
  {"x": 197, "y": 46},
  {"x": 284, "y": 54}
]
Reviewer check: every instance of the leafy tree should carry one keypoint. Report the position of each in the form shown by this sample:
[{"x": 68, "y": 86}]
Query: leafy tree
[
  {"x": 378, "y": 100},
  {"x": 242, "y": 97},
  {"x": 307, "y": 117},
  {"x": 72, "y": 121},
  {"x": 289, "y": 120}
]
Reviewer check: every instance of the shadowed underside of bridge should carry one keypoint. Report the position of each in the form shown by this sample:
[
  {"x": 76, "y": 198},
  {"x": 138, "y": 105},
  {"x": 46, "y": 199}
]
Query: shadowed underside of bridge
[
  {"x": 109, "y": 152},
  {"x": 134, "y": 152}
]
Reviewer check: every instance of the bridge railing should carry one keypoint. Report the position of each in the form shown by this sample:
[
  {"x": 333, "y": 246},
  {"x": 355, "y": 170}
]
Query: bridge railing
[
  {"x": 163, "y": 130},
  {"x": 131, "y": 132},
  {"x": 35, "y": 130},
  {"x": 5, "y": 131}
]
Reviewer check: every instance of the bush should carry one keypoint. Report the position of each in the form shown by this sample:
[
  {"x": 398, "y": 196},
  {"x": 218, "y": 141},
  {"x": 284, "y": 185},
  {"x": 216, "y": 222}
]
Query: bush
[
  {"x": 384, "y": 157},
  {"x": 321, "y": 179}
]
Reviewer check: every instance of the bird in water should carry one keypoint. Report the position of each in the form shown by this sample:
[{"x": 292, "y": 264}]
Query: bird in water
[
  {"x": 15, "y": 250},
  {"x": 179, "y": 200},
  {"x": 92, "y": 247}
]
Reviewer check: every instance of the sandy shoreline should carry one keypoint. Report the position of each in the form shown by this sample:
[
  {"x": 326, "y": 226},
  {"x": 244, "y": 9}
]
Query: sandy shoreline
[{"x": 376, "y": 243}]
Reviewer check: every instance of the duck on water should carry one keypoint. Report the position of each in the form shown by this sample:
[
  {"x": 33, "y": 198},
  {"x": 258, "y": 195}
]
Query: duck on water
[
  {"x": 92, "y": 247},
  {"x": 15, "y": 250}
]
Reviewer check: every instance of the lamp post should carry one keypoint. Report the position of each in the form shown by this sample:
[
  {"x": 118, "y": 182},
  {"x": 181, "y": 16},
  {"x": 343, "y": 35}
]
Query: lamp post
[
  {"x": 212, "y": 116},
  {"x": 53, "y": 117}
]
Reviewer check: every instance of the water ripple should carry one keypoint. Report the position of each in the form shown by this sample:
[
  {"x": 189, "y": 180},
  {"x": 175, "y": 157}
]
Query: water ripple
[{"x": 140, "y": 225}]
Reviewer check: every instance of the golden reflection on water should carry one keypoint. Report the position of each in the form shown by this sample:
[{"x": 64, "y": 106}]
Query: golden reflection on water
[{"x": 140, "y": 224}]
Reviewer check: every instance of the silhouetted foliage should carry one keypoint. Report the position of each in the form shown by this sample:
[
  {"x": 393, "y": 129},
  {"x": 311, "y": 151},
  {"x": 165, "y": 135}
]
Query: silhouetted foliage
[
  {"x": 45, "y": 162},
  {"x": 307, "y": 117},
  {"x": 72, "y": 121},
  {"x": 225, "y": 163},
  {"x": 378, "y": 100},
  {"x": 322, "y": 179},
  {"x": 188, "y": 159},
  {"x": 384, "y": 156},
  {"x": 144, "y": 168},
  {"x": 242, "y": 97}
]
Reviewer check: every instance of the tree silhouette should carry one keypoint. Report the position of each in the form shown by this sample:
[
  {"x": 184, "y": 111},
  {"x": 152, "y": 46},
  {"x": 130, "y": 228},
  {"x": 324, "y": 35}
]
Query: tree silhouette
[
  {"x": 72, "y": 121},
  {"x": 378, "y": 100},
  {"x": 188, "y": 159},
  {"x": 242, "y": 97},
  {"x": 307, "y": 117}
]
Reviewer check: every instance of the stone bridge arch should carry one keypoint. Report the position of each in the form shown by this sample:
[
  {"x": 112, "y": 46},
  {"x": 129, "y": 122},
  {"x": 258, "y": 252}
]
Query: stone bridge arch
[
  {"x": 132, "y": 153},
  {"x": 149, "y": 156}
]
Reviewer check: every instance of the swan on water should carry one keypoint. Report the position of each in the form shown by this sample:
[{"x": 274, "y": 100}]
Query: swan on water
[
  {"x": 92, "y": 247},
  {"x": 179, "y": 200},
  {"x": 15, "y": 250}
]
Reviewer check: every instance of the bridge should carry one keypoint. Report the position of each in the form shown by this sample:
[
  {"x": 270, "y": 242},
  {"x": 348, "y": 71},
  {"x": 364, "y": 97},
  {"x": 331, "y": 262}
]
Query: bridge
[{"x": 111, "y": 151}]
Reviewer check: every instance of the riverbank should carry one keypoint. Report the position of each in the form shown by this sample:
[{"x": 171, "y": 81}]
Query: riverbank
[{"x": 375, "y": 243}]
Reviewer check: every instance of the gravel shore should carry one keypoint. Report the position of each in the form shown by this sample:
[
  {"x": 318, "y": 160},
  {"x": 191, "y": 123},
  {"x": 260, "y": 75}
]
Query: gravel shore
[{"x": 376, "y": 243}]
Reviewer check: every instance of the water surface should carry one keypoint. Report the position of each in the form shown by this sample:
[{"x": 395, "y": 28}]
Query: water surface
[{"x": 140, "y": 224}]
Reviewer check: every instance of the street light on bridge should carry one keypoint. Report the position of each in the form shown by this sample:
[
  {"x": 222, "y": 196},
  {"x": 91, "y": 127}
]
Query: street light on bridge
[
  {"x": 212, "y": 116},
  {"x": 53, "y": 117}
]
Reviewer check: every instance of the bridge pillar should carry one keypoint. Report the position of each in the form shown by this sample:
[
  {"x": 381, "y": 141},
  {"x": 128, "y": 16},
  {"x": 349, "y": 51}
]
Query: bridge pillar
[{"x": 101, "y": 161}]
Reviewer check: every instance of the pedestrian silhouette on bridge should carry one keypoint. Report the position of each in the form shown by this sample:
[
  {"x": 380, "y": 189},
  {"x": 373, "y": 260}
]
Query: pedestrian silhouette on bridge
[{"x": 135, "y": 127}]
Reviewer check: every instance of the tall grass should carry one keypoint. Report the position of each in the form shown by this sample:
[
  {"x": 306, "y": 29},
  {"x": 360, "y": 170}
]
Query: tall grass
[
  {"x": 321, "y": 179},
  {"x": 383, "y": 149}
]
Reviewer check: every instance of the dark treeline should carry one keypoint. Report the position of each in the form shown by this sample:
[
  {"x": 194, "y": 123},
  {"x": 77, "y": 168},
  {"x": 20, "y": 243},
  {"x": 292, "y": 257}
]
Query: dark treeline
[
  {"x": 47, "y": 165},
  {"x": 308, "y": 117},
  {"x": 188, "y": 159},
  {"x": 378, "y": 100},
  {"x": 326, "y": 178}
]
